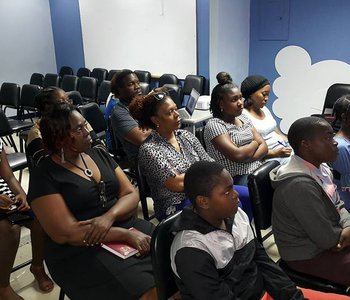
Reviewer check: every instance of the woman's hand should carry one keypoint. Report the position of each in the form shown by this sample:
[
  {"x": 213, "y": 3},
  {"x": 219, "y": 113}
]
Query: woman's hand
[
  {"x": 344, "y": 240},
  {"x": 6, "y": 202},
  {"x": 99, "y": 227},
  {"x": 139, "y": 241},
  {"x": 22, "y": 203}
]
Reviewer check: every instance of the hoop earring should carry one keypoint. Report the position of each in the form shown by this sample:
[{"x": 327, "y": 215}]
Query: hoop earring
[{"x": 63, "y": 161}]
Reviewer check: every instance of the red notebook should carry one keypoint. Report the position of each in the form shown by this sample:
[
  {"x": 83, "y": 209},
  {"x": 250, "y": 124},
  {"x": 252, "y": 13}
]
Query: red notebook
[{"x": 120, "y": 249}]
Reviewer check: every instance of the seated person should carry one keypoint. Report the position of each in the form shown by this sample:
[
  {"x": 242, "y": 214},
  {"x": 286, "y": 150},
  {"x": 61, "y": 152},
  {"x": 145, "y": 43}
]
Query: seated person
[
  {"x": 82, "y": 198},
  {"x": 255, "y": 90},
  {"x": 309, "y": 221},
  {"x": 13, "y": 200},
  {"x": 111, "y": 102},
  {"x": 230, "y": 136},
  {"x": 341, "y": 166},
  {"x": 167, "y": 153},
  {"x": 125, "y": 128},
  {"x": 214, "y": 254},
  {"x": 44, "y": 102}
]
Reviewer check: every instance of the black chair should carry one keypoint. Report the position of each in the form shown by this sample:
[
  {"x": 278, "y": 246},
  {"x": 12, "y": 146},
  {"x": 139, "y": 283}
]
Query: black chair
[
  {"x": 76, "y": 98},
  {"x": 162, "y": 239},
  {"x": 261, "y": 196},
  {"x": 175, "y": 93},
  {"x": 200, "y": 136},
  {"x": 334, "y": 92},
  {"x": 17, "y": 160},
  {"x": 28, "y": 93},
  {"x": 83, "y": 72},
  {"x": 65, "y": 70},
  {"x": 103, "y": 92},
  {"x": 37, "y": 79},
  {"x": 100, "y": 74},
  {"x": 144, "y": 192},
  {"x": 70, "y": 83},
  {"x": 145, "y": 88},
  {"x": 51, "y": 79},
  {"x": 111, "y": 73},
  {"x": 88, "y": 88},
  {"x": 196, "y": 82},
  {"x": 143, "y": 76},
  {"x": 167, "y": 78},
  {"x": 10, "y": 97},
  {"x": 92, "y": 113}
]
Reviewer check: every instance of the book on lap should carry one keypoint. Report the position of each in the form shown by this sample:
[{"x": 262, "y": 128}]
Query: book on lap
[{"x": 120, "y": 249}]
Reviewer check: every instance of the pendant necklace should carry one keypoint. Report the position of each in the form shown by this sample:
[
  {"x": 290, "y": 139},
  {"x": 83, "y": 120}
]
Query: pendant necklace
[{"x": 87, "y": 171}]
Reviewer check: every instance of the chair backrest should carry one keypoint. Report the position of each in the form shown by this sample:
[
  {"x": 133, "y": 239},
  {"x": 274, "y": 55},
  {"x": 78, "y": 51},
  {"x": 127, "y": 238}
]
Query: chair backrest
[
  {"x": 37, "y": 78},
  {"x": 143, "y": 76},
  {"x": 65, "y": 70},
  {"x": 51, "y": 79},
  {"x": 174, "y": 93},
  {"x": 103, "y": 91},
  {"x": 111, "y": 73},
  {"x": 100, "y": 74},
  {"x": 92, "y": 113},
  {"x": 83, "y": 72},
  {"x": 88, "y": 88},
  {"x": 193, "y": 81},
  {"x": 334, "y": 92},
  {"x": 10, "y": 94},
  {"x": 5, "y": 127},
  {"x": 75, "y": 97},
  {"x": 167, "y": 78},
  {"x": 70, "y": 83},
  {"x": 162, "y": 239},
  {"x": 261, "y": 195},
  {"x": 28, "y": 93},
  {"x": 145, "y": 88},
  {"x": 144, "y": 191}
]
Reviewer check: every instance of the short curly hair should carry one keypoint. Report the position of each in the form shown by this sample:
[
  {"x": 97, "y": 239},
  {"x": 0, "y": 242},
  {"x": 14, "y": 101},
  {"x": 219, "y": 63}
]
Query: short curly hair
[
  {"x": 225, "y": 84},
  {"x": 342, "y": 105},
  {"x": 55, "y": 126},
  {"x": 142, "y": 108},
  {"x": 117, "y": 81}
]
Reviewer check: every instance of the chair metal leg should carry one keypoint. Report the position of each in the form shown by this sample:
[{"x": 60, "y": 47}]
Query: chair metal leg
[{"x": 62, "y": 295}]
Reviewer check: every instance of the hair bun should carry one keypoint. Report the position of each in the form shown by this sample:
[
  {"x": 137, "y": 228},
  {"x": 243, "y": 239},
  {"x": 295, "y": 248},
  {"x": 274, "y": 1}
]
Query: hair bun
[{"x": 223, "y": 78}]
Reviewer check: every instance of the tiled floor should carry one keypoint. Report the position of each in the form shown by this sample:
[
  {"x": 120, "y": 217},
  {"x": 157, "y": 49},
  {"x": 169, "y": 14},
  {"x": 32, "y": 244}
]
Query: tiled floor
[{"x": 23, "y": 282}]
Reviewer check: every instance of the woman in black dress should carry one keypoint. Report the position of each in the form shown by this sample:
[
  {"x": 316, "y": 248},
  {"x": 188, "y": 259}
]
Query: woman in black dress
[{"x": 82, "y": 198}]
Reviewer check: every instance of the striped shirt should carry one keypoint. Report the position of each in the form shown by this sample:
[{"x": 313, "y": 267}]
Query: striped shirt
[{"x": 4, "y": 188}]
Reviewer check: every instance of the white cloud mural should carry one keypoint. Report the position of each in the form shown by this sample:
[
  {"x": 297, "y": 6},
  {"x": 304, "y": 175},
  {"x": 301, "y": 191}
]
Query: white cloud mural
[{"x": 302, "y": 86}]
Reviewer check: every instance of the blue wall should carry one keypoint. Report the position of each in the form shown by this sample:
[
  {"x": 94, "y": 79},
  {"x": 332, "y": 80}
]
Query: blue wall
[
  {"x": 66, "y": 27},
  {"x": 319, "y": 26}
]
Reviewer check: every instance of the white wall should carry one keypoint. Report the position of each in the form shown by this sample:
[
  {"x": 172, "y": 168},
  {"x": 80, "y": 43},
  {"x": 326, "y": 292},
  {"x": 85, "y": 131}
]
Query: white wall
[
  {"x": 154, "y": 35},
  {"x": 26, "y": 40},
  {"x": 229, "y": 39}
]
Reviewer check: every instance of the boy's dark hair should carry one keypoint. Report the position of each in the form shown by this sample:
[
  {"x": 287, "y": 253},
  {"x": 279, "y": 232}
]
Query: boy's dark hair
[
  {"x": 117, "y": 81},
  {"x": 201, "y": 178},
  {"x": 304, "y": 129}
]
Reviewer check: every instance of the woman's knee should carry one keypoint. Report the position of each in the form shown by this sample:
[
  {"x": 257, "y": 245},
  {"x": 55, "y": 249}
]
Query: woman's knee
[{"x": 10, "y": 233}]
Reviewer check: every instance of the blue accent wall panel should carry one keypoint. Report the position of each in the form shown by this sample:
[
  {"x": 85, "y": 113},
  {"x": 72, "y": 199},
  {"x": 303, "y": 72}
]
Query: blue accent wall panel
[
  {"x": 203, "y": 39},
  {"x": 67, "y": 33}
]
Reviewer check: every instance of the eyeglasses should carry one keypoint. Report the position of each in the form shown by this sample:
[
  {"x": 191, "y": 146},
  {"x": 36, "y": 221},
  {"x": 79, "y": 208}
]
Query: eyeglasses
[
  {"x": 79, "y": 129},
  {"x": 160, "y": 96},
  {"x": 102, "y": 191}
]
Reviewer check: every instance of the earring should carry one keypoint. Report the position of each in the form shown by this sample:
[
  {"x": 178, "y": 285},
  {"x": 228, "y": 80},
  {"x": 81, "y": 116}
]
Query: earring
[
  {"x": 221, "y": 109},
  {"x": 157, "y": 125},
  {"x": 62, "y": 156}
]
